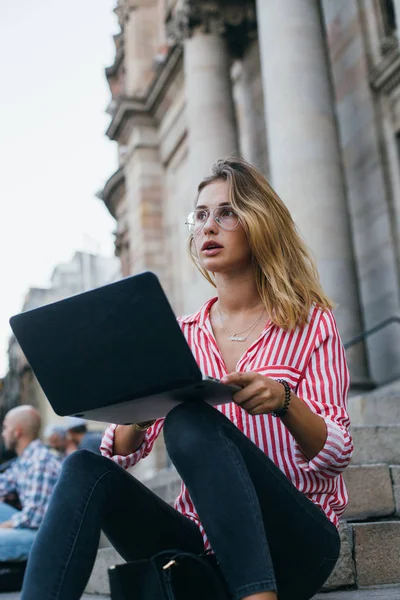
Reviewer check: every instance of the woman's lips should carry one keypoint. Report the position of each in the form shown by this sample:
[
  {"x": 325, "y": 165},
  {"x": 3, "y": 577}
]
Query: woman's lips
[{"x": 212, "y": 251}]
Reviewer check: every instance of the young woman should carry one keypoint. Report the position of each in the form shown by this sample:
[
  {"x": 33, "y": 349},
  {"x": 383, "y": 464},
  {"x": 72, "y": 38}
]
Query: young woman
[{"x": 262, "y": 482}]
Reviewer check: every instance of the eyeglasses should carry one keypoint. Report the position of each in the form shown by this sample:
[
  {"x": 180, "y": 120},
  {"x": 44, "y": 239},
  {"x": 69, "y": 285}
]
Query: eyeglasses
[{"x": 224, "y": 216}]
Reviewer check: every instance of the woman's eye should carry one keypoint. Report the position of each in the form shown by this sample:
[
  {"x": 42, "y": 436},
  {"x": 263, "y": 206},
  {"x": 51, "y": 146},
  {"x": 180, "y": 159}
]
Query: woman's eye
[
  {"x": 201, "y": 216},
  {"x": 227, "y": 213}
]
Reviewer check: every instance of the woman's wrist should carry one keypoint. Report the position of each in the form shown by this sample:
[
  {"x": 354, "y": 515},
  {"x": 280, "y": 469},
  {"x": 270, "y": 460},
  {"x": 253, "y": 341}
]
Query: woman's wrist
[
  {"x": 127, "y": 440},
  {"x": 143, "y": 426},
  {"x": 285, "y": 404}
]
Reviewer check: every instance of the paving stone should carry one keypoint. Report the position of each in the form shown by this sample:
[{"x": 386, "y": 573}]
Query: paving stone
[
  {"x": 382, "y": 593},
  {"x": 376, "y": 445},
  {"x": 344, "y": 573},
  {"x": 377, "y": 553},
  {"x": 370, "y": 492}
]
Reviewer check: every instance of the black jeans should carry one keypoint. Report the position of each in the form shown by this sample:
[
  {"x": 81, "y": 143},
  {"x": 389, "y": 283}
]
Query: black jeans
[{"x": 266, "y": 534}]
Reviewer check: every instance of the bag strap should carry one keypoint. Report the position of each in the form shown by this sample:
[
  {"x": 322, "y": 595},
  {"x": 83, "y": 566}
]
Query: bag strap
[{"x": 200, "y": 560}]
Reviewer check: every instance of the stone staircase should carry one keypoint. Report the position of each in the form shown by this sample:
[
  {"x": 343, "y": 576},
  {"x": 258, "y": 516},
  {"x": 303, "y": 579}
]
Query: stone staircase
[{"x": 369, "y": 564}]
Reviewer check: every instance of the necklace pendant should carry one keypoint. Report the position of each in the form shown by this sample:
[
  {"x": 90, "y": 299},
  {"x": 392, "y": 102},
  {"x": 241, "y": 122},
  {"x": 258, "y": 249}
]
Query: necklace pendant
[{"x": 236, "y": 338}]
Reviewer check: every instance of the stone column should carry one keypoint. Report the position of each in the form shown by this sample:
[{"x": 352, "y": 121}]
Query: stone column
[
  {"x": 210, "y": 117},
  {"x": 211, "y": 126},
  {"x": 210, "y": 113},
  {"x": 304, "y": 155}
]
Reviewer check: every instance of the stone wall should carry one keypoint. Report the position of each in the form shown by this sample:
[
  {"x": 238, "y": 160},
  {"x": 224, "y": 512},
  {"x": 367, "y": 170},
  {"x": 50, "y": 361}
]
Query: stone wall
[{"x": 363, "y": 152}]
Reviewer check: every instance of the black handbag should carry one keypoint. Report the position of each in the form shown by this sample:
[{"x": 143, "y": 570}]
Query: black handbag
[
  {"x": 169, "y": 575},
  {"x": 11, "y": 576}
]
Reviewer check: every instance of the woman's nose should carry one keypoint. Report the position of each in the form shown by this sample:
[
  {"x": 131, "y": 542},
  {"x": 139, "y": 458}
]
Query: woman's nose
[{"x": 210, "y": 224}]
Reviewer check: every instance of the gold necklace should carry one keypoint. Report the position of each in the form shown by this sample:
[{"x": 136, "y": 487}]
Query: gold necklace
[{"x": 238, "y": 337}]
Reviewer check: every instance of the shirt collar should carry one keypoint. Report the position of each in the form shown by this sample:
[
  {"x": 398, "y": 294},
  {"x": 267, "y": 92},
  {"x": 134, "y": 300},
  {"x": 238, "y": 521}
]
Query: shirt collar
[
  {"x": 201, "y": 315},
  {"x": 30, "y": 448}
]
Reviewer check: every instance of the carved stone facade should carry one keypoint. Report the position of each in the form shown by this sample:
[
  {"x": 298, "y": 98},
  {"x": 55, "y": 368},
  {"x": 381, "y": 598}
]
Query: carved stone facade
[{"x": 309, "y": 92}]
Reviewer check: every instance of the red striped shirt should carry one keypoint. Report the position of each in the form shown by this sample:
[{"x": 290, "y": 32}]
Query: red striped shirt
[{"x": 313, "y": 362}]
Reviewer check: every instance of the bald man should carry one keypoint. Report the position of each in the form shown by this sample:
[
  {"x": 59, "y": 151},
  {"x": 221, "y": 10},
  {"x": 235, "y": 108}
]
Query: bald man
[{"x": 32, "y": 476}]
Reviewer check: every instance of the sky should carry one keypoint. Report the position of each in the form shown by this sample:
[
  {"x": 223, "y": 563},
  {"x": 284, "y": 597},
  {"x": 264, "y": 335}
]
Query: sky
[{"x": 54, "y": 155}]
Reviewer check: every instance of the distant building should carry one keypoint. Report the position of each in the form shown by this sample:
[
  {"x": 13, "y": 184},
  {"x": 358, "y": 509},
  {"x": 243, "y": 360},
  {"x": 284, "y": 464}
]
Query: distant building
[{"x": 83, "y": 272}]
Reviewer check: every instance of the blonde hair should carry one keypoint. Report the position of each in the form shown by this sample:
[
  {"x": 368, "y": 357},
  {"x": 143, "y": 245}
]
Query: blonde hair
[{"x": 285, "y": 272}]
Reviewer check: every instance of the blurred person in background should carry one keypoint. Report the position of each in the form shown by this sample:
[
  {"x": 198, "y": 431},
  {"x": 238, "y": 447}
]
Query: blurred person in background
[
  {"x": 79, "y": 438},
  {"x": 31, "y": 478},
  {"x": 55, "y": 437}
]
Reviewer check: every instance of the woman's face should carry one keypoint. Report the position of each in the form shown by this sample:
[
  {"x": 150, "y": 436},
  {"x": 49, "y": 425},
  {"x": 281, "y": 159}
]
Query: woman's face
[{"x": 220, "y": 250}]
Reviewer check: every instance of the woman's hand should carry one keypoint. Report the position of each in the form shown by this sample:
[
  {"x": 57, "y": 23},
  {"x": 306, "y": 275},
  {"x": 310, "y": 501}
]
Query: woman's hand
[
  {"x": 262, "y": 395},
  {"x": 259, "y": 394}
]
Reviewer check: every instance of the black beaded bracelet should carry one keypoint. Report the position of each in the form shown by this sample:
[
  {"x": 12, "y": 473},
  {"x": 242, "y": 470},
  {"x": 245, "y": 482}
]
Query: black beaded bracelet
[{"x": 285, "y": 407}]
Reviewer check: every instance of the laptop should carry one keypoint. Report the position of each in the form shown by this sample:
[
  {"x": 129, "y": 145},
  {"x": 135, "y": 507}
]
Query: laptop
[{"x": 114, "y": 354}]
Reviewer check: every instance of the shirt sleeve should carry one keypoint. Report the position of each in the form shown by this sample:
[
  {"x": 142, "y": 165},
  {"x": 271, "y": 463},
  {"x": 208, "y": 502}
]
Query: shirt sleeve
[
  {"x": 8, "y": 481},
  {"x": 324, "y": 387},
  {"x": 45, "y": 473},
  {"x": 107, "y": 445}
]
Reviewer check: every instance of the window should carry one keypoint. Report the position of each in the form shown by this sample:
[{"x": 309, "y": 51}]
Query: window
[
  {"x": 388, "y": 17},
  {"x": 389, "y": 26}
]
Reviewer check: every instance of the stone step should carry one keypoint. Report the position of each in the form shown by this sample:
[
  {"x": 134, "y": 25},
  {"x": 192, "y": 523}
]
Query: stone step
[
  {"x": 377, "y": 553},
  {"x": 374, "y": 491},
  {"x": 379, "y": 407},
  {"x": 370, "y": 556},
  {"x": 376, "y": 444}
]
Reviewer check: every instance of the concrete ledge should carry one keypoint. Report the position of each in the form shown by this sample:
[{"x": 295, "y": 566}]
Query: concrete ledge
[
  {"x": 377, "y": 553},
  {"x": 370, "y": 492}
]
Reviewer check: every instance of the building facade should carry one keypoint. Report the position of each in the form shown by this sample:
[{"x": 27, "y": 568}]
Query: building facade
[{"x": 307, "y": 91}]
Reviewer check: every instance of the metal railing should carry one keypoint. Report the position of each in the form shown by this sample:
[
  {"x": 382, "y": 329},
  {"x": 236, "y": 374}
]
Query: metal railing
[{"x": 368, "y": 332}]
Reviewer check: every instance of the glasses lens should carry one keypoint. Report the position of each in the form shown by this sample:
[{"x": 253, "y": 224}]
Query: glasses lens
[
  {"x": 196, "y": 219},
  {"x": 190, "y": 222},
  {"x": 226, "y": 217}
]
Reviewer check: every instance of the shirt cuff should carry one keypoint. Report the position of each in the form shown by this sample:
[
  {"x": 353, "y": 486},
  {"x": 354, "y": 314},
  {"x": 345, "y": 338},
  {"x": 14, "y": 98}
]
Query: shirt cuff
[
  {"x": 333, "y": 457},
  {"x": 107, "y": 447},
  {"x": 19, "y": 520}
]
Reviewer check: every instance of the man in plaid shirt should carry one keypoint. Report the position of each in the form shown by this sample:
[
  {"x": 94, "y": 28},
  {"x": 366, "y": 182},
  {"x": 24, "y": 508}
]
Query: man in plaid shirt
[{"x": 32, "y": 477}]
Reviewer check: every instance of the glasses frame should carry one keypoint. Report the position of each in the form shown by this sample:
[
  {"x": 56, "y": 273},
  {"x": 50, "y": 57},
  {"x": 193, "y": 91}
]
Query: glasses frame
[{"x": 210, "y": 212}]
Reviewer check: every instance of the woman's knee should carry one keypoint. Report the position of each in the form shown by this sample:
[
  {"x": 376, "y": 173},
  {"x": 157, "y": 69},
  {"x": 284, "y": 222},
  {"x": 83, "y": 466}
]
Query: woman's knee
[
  {"x": 84, "y": 461},
  {"x": 187, "y": 426}
]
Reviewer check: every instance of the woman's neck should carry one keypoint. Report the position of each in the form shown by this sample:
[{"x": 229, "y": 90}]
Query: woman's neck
[{"x": 237, "y": 294}]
